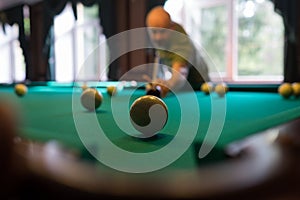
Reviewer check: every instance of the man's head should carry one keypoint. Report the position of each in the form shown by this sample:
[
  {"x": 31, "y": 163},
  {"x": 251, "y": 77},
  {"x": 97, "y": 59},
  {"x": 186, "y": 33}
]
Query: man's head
[{"x": 159, "y": 22}]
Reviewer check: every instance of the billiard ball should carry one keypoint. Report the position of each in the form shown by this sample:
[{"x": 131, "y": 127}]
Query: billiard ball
[
  {"x": 296, "y": 89},
  {"x": 221, "y": 89},
  {"x": 84, "y": 87},
  {"x": 111, "y": 90},
  {"x": 148, "y": 86},
  {"x": 133, "y": 83},
  {"x": 91, "y": 99},
  {"x": 148, "y": 115},
  {"x": 285, "y": 90},
  {"x": 20, "y": 89},
  {"x": 207, "y": 87},
  {"x": 152, "y": 89}
]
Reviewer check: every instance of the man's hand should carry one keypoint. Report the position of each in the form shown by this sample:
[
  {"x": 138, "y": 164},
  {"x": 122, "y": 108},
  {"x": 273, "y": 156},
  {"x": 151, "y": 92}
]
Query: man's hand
[{"x": 163, "y": 86}]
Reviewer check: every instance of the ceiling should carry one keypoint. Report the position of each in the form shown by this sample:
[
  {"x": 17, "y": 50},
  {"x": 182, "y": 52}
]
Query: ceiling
[{"x": 5, "y": 4}]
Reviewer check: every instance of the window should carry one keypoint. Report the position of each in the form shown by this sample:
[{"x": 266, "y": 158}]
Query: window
[
  {"x": 243, "y": 38},
  {"x": 77, "y": 45},
  {"x": 11, "y": 55}
]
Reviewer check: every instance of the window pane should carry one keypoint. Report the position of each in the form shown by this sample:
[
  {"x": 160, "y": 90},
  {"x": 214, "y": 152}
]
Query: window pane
[
  {"x": 88, "y": 32},
  {"x": 248, "y": 42},
  {"x": 88, "y": 52},
  {"x": 214, "y": 33},
  {"x": 260, "y": 39},
  {"x": 64, "y": 49},
  {"x": 20, "y": 68},
  {"x": 76, "y": 45},
  {"x": 207, "y": 24},
  {"x": 5, "y": 71},
  {"x": 64, "y": 67},
  {"x": 11, "y": 56}
]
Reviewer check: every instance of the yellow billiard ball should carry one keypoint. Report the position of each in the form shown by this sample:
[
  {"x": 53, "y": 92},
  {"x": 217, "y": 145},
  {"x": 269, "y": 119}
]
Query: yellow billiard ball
[
  {"x": 84, "y": 87},
  {"x": 111, "y": 90},
  {"x": 148, "y": 115},
  {"x": 296, "y": 89},
  {"x": 285, "y": 90},
  {"x": 20, "y": 89},
  {"x": 221, "y": 89},
  {"x": 207, "y": 87},
  {"x": 149, "y": 86},
  {"x": 91, "y": 99}
]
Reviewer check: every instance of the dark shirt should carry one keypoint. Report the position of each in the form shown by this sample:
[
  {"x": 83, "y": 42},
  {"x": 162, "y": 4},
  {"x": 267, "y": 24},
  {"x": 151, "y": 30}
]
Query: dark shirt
[{"x": 181, "y": 49}]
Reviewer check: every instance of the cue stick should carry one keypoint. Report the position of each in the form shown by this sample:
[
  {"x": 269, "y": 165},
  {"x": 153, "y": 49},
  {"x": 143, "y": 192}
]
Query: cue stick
[{"x": 155, "y": 67}]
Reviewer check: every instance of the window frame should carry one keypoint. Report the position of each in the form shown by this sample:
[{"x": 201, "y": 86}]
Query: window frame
[
  {"x": 10, "y": 43},
  {"x": 231, "y": 55},
  {"x": 77, "y": 56}
]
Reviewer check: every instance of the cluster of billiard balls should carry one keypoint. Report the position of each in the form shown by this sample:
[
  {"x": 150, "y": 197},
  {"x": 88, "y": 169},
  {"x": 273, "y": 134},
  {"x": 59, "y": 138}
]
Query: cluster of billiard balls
[
  {"x": 91, "y": 99},
  {"x": 153, "y": 89},
  {"x": 287, "y": 90},
  {"x": 208, "y": 87}
]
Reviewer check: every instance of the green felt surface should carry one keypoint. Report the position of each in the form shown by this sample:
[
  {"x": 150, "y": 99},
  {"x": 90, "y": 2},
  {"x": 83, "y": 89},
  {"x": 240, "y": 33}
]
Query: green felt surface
[{"x": 46, "y": 113}]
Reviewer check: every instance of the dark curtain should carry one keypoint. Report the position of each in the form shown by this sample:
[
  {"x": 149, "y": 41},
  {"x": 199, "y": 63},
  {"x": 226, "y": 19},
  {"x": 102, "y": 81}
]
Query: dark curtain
[
  {"x": 288, "y": 9},
  {"x": 108, "y": 19},
  {"x": 55, "y": 7},
  {"x": 109, "y": 22},
  {"x": 152, "y": 3},
  {"x": 107, "y": 15},
  {"x": 51, "y": 9}
]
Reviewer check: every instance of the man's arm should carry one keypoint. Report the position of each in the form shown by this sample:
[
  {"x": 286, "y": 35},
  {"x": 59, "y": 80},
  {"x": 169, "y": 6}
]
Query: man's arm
[{"x": 178, "y": 79}]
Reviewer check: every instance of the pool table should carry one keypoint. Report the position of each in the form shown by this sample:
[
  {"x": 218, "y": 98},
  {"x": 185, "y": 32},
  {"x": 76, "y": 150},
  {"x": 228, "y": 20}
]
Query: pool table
[{"x": 217, "y": 147}]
